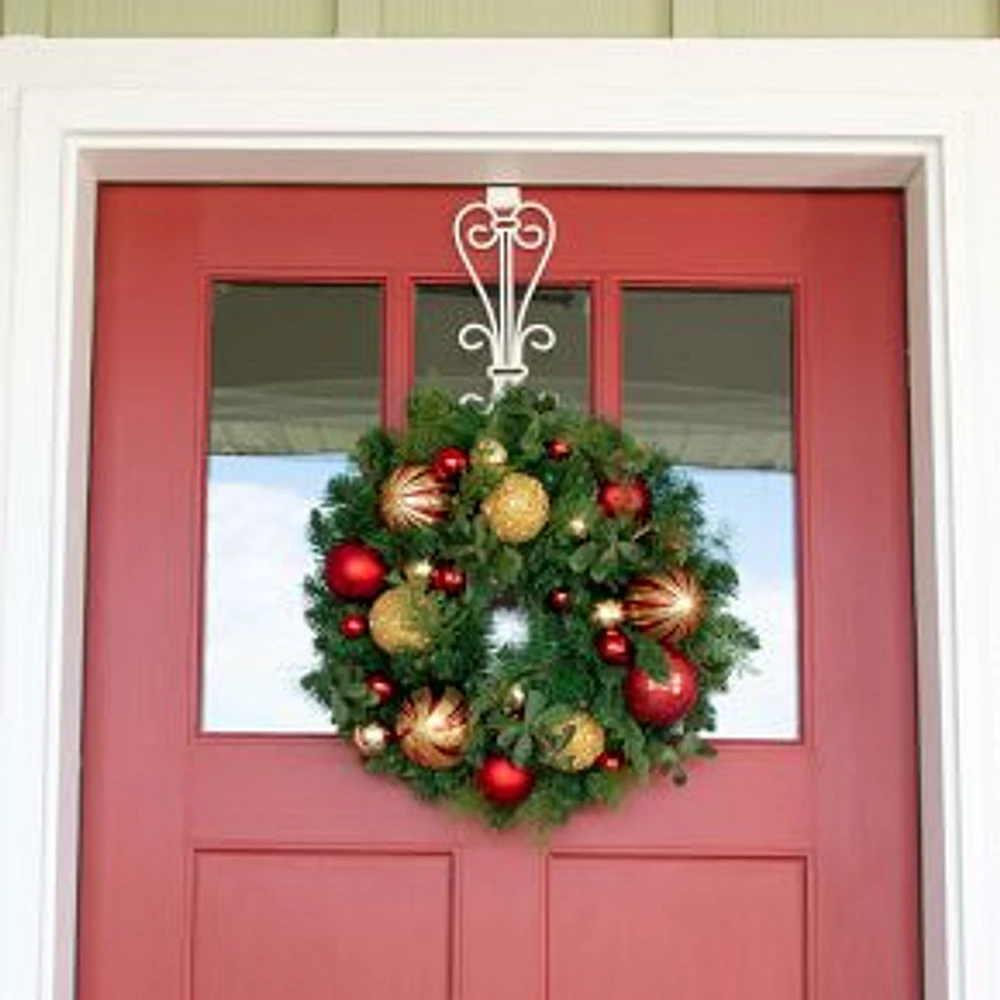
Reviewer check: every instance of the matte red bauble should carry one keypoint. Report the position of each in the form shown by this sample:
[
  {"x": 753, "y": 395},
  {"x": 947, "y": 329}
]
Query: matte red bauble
[
  {"x": 662, "y": 703},
  {"x": 449, "y": 463},
  {"x": 381, "y": 686},
  {"x": 448, "y": 579},
  {"x": 353, "y": 626},
  {"x": 629, "y": 498},
  {"x": 503, "y": 782},
  {"x": 354, "y": 572},
  {"x": 560, "y": 599},
  {"x": 559, "y": 449},
  {"x": 611, "y": 760},
  {"x": 614, "y": 647}
]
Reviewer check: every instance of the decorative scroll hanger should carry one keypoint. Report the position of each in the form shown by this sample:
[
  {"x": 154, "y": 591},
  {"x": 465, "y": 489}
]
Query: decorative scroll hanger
[{"x": 508, "y": 226}]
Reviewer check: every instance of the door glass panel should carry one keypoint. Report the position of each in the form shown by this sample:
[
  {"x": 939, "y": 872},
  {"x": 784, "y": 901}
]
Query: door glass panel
[
  {"x": 442, "y": 311},
  {"x": 295, "y": 380},
  {"x": 708, "y": 376}
]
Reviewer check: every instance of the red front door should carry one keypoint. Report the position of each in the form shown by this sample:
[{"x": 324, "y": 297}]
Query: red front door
[{"x": 263, "y": 867}]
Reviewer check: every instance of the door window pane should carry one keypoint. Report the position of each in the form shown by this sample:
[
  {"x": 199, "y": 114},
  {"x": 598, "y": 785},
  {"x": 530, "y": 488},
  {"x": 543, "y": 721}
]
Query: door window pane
[
  {"x": 295, "y": 380},
  {"x": 442, "y": 311},
  {"x": 708, "y": 376}
]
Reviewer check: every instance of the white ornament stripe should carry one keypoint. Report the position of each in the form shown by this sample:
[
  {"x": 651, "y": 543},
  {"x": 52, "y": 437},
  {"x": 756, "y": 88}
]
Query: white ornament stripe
[{"x": 478, "y": 229}]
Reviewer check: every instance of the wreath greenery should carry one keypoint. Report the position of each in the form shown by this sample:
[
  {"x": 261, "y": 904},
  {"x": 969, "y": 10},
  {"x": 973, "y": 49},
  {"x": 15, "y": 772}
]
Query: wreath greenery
[{"x": 598, "y": 542}]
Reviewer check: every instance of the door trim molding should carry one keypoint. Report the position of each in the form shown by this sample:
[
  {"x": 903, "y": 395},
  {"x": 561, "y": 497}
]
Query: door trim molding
[{"x": 775, "y": 114}]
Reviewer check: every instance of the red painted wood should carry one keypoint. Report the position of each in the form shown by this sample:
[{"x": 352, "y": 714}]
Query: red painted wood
[{"x": 250, "y": 868}]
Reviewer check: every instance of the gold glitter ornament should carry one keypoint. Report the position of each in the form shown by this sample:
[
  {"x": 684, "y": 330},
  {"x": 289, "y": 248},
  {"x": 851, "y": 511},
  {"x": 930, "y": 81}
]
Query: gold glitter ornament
[
  {"x": 412, "y": 497},
  {"x": 608, "y": 613},
  {"x": 517, "y": 509},
  {"x": 584, "y": 745},
  {"x": 668, "y": 606},
  {"x": 371, "y": 740},
  {"x": 418, "y": 571},
  {"x": 434, "y": 730},
  {"x": 577, "y": 526},
  {"x": 488, "y": 452},
  {"x": 398, "y": 620}
]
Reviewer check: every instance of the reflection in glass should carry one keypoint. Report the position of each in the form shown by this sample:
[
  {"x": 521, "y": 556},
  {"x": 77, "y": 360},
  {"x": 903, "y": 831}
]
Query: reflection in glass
[
  {"x": 708, "y": 376},
  {"x": 442, "y": 310},
  {"x": 295, "y": 380}
]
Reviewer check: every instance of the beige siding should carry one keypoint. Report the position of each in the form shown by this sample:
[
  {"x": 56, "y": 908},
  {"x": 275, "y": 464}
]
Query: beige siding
[
  {"x": 775, "y": 18},
  {"x": 642, "y": 18},
  {"x": 416, "y": 18},
  {"x": 178, "y": 18}
]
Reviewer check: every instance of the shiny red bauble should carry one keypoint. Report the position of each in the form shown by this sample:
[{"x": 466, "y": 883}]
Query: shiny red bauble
[
  {"x": 560, "y": 599},
  {"x": 662, "y": 702},
  {"x": 503, "y": 782},
  {"x": 615, "y": 647},
  {"x": 559, "y": 449},
  {"x": 353, "y": 626},
  {"x": 610, "y": 760},
  {"x": 449, "y": 463},
  {"x": 628, "y": 498},
  {"x": 381, "y": 686},
  {"x": 448, "y": 579},
  {"x": 354, "y": 571}
]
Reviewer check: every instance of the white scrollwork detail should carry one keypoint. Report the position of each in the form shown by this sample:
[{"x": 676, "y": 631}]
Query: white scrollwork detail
[{"x": 479, "y": 229}]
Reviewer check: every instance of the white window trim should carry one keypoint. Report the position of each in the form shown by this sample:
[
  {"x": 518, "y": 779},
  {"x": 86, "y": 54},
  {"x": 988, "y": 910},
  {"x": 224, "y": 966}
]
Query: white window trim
[{"x": 922, "y": 117}]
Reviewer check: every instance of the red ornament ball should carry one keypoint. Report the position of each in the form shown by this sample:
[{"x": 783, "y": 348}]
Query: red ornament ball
[
  {"x": 503, "y": 782},
  {"x": 353, "y": 626},
  {"x": 449, "y": 463},
  {"x": 662, "y": 702},
  {"x": 354, "y": 571},
  {"x": 560, "y": 599},
  {"x": 628, "y": 498},
  {"x": 611, "y": 760},
  {"x": 449, "y": 579},
  {"x": 559, "y": 449},
  {"x": 381, "y": 686},
  {"x": 615, "y": 647}
]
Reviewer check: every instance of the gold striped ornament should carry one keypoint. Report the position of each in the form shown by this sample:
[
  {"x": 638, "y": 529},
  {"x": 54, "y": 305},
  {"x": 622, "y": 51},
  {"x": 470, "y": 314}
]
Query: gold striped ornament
[
  {"x": 412, "y": 497},
  {"x": 434, "y": 730},
  {"x": 668, "y": 606}
]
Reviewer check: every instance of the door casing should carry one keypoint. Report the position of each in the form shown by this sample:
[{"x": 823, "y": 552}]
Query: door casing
[{"x": 61, "y": 142}]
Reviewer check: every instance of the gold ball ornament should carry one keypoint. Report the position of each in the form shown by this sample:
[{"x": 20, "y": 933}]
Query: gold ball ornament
[
  {"x": 418, "y": 571},
  {"x": 412, "y": 497},
  {"x": 514, "y": 700},
  {"x": 669, "y": 606},
  {"x": 585, "y": 742},
  {"x": 608, "y": 614},
  {"x": 488, "y": 452},
  {"x": 434, "y": 730},
  {"x": 371, "y": 740},
  {"x": 398, "y": 620},
  {"x": 517, "y": 509}
]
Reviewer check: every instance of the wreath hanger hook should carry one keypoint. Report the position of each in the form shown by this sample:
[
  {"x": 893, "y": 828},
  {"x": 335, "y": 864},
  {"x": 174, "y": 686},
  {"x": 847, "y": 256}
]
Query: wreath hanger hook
[{"x": 505, "y": 227}]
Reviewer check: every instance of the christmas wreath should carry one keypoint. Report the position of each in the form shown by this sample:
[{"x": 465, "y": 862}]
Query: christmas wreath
[{"x": 588, "y": 544}]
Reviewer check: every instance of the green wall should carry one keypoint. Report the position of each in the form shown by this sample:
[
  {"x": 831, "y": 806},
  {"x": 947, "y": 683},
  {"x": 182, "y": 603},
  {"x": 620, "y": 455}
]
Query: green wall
[{"x": 444, "y": 18}]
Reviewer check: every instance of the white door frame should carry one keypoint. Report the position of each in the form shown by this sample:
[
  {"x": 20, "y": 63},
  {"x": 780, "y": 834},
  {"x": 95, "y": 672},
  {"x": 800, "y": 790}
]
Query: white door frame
[{"x": 921, "y": 117}]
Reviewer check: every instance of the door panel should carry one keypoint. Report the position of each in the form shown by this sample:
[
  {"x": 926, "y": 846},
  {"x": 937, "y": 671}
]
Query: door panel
[{"x": 219, "y": 866}]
